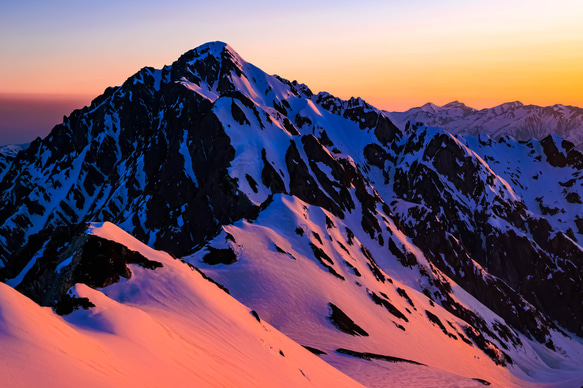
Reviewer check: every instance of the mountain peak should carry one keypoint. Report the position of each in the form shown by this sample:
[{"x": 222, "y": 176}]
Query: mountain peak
[
  {"x": 211, "y": 67},
  {"x": 456, "y": 104},
  {"x": 511, "y": 105},
  {"x": 219, "y": 45},
  {"x": 429, "y": 107},
  {"x": 215, "y": 49}
]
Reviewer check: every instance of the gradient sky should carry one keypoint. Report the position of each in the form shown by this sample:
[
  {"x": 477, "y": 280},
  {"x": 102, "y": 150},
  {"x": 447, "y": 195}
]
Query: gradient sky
[{"x": 394, "y": 54}]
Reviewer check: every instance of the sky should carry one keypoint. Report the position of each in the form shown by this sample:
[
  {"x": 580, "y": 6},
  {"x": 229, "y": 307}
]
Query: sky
[{"x": 57, "y": 55}]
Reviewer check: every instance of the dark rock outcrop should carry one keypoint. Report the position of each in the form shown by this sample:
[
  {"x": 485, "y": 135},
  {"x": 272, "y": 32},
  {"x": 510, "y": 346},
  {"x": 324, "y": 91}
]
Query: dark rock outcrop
[
  {"x": 343, "y": 322},
  {"x": 68, "y": 256}
]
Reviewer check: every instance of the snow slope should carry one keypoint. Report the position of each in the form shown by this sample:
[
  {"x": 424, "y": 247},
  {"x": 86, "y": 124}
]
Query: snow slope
[
  {"x": 161, "y": 328},
  {"x": 276, "y": 273}
]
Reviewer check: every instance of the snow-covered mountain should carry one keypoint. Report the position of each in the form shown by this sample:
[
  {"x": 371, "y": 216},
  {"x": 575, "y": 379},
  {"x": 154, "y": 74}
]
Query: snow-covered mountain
[
  {"x": 522, "y": 122},
  {"x": 7, "y": 154},
  {"x": 414, "y": 258}
]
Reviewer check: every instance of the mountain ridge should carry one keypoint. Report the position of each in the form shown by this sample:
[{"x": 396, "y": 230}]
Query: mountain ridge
[{"x": 523, "y": 122}]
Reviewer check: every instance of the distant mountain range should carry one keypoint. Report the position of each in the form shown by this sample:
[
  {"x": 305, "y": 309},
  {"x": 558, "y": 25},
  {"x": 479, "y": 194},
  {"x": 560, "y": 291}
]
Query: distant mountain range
[
  {"x": 209, "y": 224},
  {"x": 522, "y": 122}
]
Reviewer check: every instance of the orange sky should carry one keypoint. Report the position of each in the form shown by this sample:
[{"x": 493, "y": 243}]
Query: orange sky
[{"x": 395, "y": 55}]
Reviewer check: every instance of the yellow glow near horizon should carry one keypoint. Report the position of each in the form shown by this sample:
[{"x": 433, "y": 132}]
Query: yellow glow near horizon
[{"x": 483, "y": 56}]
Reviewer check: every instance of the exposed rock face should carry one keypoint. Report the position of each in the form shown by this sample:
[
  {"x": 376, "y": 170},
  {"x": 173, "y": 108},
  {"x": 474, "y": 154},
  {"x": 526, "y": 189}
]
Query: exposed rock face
[
  {"x": 150, "y": 155},
  {"x": 461, "y": 237},
  {"x": 343, "y": 322},
  {"x": 373, "y": 356},
  {"x": 68, "y": 256}
]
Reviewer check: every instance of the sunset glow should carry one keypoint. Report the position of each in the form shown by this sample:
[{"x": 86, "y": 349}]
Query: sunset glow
[
  {"x": 393, "y": 55},
  {"x": 299, "y": 194}
]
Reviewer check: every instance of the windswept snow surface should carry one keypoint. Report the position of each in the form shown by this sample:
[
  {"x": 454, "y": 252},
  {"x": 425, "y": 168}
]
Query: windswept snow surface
[
  {"x": 164, "y": 328},
  {"x": 278, "y": 276}
]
